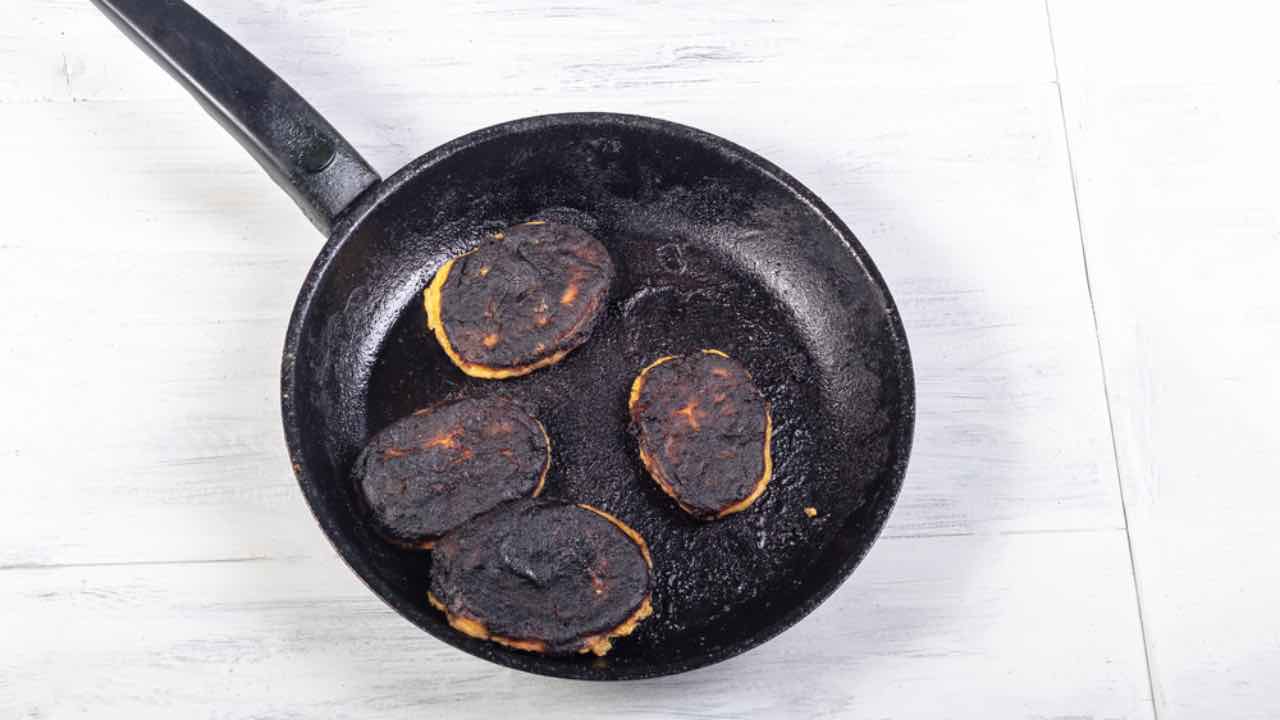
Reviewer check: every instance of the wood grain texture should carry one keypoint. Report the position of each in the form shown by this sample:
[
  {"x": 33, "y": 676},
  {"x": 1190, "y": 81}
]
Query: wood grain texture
[
  {"x": 1005, "y": 365},
  {"x": 33, "y": 53},
  {"x": 1176, "y": 153},
  {"x": 929, "y": 627},
  {"x": 525, "y": 49},
  {"x": 146, "y": 304},
  {"x": 177, "y": 276},
  {"x": 166, "y": 565}
]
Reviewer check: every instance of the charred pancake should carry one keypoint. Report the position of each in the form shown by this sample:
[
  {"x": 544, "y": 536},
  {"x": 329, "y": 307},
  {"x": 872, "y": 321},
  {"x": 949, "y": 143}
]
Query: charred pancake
[
  {"x": 543, "y": 576},
  {"x": 428, "y": 473},
  {"x": 520, "y": 302},
  {"x": 704, "y": 432}
]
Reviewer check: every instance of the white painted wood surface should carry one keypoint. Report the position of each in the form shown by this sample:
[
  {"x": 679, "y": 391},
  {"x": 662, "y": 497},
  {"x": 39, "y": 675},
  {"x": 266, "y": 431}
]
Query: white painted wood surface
[
  {"x": 166, "y": 566},
  {"x": 1176, "y": 154}
]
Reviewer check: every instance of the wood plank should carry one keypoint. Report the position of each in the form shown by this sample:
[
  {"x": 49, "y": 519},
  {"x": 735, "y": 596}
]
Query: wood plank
[
  {"x": 177, "y": 269},
  {"x": 1002, "y": 586},
  {"x": 1226, "y": 42},
  {"x": 1176, "y": 153},
  {"x": 523, "y": 48},
  {"x": 1022, "y": 625},
  {"x": 34, "y": 52},
  {"x": 147, "y": 303}
]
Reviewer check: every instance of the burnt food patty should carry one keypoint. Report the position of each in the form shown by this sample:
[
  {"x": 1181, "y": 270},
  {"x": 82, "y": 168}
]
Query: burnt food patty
[
  {"x": 426, "y": 474},
  {"x": 704, "y": 432},
  {"x": 543, "y": 576},
  {"x": 520, "y": 302}
]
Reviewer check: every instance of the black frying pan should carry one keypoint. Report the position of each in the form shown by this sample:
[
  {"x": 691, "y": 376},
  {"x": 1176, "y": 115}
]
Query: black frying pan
[{"x": 714, "y": 246}]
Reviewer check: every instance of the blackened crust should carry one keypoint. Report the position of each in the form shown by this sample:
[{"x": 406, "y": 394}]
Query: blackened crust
[
  {"x": 520, "y": 302},
  {"x": 543, "y": 575},
  {"x": 430, "y": 472},
  {"x": 703, "y": 429}
]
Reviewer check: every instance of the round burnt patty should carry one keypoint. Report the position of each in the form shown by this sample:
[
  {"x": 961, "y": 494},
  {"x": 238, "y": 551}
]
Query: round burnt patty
[
  {"x": 430, "y": 472},
  {"x": 520, "y": 302},
  {"x": 543, "y": 576},
  {"x": 704, "y": 432}
]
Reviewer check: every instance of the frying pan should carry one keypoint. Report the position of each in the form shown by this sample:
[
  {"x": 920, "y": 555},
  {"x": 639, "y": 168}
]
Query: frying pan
[{"x": 715, "y": 247}]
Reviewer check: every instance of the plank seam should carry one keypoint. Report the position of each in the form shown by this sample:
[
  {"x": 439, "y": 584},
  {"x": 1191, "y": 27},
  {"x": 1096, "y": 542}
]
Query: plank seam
[{"x": 1106, "y": 392}]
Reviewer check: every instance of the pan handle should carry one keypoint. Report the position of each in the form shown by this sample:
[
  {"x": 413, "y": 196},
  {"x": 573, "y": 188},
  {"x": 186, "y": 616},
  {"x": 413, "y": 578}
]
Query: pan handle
[{"x": 297, "y": 147}]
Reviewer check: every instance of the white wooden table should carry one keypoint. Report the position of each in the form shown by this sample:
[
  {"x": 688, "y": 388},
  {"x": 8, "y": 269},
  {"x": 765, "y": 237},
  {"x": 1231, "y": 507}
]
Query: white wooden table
[{"x": 1076, "y": 204}]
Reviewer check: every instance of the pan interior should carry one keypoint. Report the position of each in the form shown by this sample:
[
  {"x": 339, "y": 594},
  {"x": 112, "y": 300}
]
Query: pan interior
[{"x": 714, "y": 248}]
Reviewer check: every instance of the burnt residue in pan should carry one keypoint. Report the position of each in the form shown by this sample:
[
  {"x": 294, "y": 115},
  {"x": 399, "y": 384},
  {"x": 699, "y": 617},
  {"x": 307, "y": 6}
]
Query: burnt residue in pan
[
  {"x": 710, "y": 251},
  {"x": 671, "y": 297}
]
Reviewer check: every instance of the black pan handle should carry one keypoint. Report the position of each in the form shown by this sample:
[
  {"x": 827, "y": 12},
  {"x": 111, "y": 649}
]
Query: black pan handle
[{"x": 293, "y": 143}]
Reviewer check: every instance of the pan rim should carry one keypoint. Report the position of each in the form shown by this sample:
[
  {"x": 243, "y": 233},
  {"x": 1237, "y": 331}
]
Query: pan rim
[{"x": 889, "y": 484}]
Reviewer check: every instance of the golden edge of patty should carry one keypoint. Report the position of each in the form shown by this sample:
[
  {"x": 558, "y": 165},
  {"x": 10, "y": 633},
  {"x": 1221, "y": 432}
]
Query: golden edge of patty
[
  {"x": 626, "y": 530},
  {"x": 599, "y": 644},
  {"x": 537, "y": 489},
  {"x": 655, "y": 470},
  {"x": 603, "y": 643},
  {"x": 546, "y": 465},
  {"x": 432, "y": 301},
  {"x": 766, "y": 473},
  {"x": 477, "y": 629}
]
